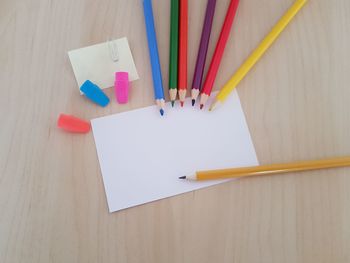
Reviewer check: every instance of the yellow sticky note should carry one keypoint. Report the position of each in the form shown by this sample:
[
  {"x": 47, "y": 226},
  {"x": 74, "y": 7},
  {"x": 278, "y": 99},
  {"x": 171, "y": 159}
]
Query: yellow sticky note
[{"x": 98, "y": 63}]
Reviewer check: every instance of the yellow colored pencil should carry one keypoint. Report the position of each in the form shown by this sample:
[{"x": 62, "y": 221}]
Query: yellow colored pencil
[
  {"x": 257, "y": 53},
  {"x": 269, "y": 169}
]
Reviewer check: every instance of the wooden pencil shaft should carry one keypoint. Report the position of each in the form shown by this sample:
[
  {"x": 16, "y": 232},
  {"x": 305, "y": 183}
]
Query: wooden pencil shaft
[{"x": 273, "y": 169}]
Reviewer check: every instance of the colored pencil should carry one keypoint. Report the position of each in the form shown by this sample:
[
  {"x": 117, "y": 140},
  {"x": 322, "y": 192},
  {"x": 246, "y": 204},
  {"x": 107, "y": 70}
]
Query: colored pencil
[
  {"x": 183, "y": 38},
  {"x": 218, "y": 53},
  {"x": 174, "y": 42},
  {"x": 203, "y": 49},
  {"x": 269, "y": 169},
  {"x": 257, "y": 53},
  {"x": 154, "y": 55}
]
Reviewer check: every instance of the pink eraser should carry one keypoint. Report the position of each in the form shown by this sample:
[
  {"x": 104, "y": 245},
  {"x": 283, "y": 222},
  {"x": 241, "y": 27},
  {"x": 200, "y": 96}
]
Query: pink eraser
[{"x": 121, "y": 86}]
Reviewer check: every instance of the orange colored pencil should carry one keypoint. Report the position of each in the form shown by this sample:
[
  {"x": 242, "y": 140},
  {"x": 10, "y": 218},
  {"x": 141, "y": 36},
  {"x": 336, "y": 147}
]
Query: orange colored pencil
[{"x": 269, "y": 169}]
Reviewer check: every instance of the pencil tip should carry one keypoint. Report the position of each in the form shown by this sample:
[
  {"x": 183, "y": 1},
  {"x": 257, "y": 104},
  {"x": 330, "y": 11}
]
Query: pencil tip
[
  {"x": 172, "y": 103},
  {"x": 161, "y": 112},
  {"x": 193, "y": 102},
  {"x": 182, "y": 103},
  {"x": 201, "y": 106},
  {"x": 182, "y": 177}
]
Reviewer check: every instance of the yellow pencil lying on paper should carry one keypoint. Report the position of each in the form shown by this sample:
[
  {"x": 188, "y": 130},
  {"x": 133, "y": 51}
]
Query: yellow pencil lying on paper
[
  {"x": 269, "y": 169},
  {"x": 257, "y": 53}
]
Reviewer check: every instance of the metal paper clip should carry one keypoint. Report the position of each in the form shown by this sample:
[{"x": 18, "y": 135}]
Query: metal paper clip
[{"x": 113, "y": 50}]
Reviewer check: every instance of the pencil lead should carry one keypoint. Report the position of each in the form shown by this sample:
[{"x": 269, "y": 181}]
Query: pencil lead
[
  {"x": 201, "y": 106},
  {"x": 172, "y": 103},
  {"x": 182, "y": 103},
  {"x": 193, "y": 102},
  {"x": 161, "y": 112},
  {"x": 182, "y": 177}
]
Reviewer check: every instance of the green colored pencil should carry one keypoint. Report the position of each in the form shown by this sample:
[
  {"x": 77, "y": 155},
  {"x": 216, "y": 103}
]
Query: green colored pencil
[{"x": 174, "y": 40}]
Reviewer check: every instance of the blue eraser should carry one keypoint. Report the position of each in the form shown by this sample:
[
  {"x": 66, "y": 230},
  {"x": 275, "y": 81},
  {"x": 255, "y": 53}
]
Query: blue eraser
[{"x": 94, "y": 93}]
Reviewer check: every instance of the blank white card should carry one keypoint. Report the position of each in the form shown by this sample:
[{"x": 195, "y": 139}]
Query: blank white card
[{"x": 142, "y": 154}]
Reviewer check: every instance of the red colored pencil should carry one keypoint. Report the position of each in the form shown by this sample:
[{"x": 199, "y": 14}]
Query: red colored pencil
[
  {"x": 183, "y": 39},
  {"x": 219, "y": 51}
]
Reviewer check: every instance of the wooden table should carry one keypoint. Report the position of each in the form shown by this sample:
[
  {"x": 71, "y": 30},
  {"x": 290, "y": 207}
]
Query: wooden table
[{"x": 296, "y": 100}]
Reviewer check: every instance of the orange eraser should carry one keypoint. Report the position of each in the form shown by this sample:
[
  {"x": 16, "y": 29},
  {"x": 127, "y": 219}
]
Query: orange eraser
[{"x": 73, "y": 124}]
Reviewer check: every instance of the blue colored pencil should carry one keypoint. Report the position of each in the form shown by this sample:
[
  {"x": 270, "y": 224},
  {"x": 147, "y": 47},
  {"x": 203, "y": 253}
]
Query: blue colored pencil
[{"x": 154, "y": 56}]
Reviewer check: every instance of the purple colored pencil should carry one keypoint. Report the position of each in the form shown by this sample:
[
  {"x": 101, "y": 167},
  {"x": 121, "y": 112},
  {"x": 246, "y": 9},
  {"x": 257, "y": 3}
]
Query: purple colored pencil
[{"x": 203, "y": 49}]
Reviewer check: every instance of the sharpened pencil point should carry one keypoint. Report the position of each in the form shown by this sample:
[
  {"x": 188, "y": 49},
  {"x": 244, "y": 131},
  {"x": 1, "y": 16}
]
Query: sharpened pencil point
[
  {"x": 214, "y": 105},
  {"x": 161, "y": 112},
  {"x": 182, "y": 103},
  {"x": 172, "y": 103},
  {"x": 193, "y": 102},
  {"x": 201, "y": 106},
  {"x": 182, "y": 177}
]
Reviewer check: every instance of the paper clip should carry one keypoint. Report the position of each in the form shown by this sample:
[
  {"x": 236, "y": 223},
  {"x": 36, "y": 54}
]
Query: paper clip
[{"x": 113, "y": 50}]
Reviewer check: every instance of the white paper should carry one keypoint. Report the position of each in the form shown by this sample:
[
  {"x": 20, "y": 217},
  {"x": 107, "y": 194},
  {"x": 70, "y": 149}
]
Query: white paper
[
  {"x": 142, "y": 154},
  {"x": 96, "y": 64}
]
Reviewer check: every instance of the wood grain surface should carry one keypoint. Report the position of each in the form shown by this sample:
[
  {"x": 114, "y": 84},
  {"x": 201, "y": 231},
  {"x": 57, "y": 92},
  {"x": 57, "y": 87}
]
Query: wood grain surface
[{"x": 296, "y": 100}]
